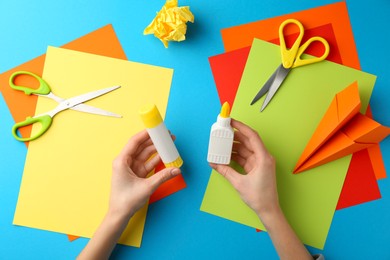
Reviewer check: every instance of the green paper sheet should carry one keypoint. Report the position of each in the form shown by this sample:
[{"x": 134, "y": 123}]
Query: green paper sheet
[{"x": 308, "y": 199}]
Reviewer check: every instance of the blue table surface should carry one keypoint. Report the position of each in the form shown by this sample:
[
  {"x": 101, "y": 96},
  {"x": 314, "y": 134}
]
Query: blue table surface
[{"x": 175, "y": 227}]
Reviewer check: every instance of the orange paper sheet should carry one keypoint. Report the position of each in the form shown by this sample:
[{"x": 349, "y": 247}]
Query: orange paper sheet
[
  {"x": 374, "y": 152},
  {"x": 342, "y": 131},
  {"x": 269, "y": 29},
  {"x": 242, "y": 36}
]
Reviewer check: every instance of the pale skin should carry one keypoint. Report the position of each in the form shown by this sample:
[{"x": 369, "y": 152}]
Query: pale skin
[
  {"x": 258, "y": 190},
  {"x": 131, "y": 189}
]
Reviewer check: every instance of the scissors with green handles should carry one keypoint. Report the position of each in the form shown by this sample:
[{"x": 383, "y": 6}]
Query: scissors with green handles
[
  {"x": 290, "y": 59},
  {"x": 45, "y": 119}
]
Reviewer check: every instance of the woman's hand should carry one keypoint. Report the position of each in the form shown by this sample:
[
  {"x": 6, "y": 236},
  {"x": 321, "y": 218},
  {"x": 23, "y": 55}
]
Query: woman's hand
[{"x": 130, "y": 187}]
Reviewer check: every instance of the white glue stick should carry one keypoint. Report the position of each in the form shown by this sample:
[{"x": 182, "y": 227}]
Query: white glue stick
[
  {"x": 221, "y": 138},
  {"x": 160, "y": 136}
]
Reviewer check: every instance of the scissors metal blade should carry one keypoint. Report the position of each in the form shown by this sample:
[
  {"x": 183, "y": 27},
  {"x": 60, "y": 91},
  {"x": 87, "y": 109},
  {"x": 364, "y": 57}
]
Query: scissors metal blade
[
  {"x": 94, "y": 110},
  {"x": 265, "y": 88},
  {"x": 83, "y": 107},
  {"x": 281, "y": 74},
  {"x": 76, "y": 101}
]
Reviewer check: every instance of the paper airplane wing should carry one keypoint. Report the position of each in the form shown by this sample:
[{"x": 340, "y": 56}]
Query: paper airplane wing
[
  {"x": 359, "y": 133},
  {"x": 344, "y": 106}
]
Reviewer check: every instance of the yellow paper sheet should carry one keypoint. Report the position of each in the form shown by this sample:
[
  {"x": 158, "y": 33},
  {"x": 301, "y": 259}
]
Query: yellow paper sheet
[{"x": 66, "y": 181}]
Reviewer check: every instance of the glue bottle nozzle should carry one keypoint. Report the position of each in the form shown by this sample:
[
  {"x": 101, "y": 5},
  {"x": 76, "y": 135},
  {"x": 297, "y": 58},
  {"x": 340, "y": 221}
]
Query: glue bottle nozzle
[{"x": 225, "y": 110}]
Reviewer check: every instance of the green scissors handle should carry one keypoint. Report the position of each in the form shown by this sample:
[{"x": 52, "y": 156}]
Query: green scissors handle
[
  {"x": 44, "y": 120},
  {"x": 43, "y": 88}
]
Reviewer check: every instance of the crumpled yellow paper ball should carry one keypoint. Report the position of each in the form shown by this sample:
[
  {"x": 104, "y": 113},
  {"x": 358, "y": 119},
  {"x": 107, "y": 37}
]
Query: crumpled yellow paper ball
[{"x": 170, "y": 23}]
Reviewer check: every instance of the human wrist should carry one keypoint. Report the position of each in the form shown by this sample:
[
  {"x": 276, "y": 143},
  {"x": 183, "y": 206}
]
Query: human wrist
[
  {"x": 270, "y": 216},
  {"x": 119, "y": 215}
]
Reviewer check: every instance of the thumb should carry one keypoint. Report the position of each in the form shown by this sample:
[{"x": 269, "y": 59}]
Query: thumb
[
  {"x": 226, "y": 171},
  {"x": 162, "y": 176}
]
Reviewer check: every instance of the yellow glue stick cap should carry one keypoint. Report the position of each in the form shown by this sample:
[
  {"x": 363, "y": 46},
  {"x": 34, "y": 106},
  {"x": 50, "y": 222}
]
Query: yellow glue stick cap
[
  {"x": 176, "y": 163},
  {"x": 225, "y": 110},
  {"x": 150, "y": 116}
]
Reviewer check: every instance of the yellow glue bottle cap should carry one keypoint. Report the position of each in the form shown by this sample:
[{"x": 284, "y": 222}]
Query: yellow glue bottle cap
[
  {"x": 225, "y": 110},
  {"x": 150, "y": 116}
]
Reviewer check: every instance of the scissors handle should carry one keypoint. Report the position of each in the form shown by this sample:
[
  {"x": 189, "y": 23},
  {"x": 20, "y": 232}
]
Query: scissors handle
[
  {"x": 43, "y": 88},
  {"x": 44, "y": 121},
  {"x": 292, "y": 58},
  {"x": 300, "y": 62},
  {"x": 288, "y": 56}
]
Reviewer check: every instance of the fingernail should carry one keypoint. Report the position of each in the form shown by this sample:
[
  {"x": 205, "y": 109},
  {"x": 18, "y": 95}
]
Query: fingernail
[{"x": 175, "y": 171}]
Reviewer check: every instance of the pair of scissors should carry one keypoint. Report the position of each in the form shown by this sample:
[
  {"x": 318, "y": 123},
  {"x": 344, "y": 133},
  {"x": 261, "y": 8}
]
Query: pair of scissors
[
  {"x": 46, "y": 119},
  {"x": 290, "y": 59}
]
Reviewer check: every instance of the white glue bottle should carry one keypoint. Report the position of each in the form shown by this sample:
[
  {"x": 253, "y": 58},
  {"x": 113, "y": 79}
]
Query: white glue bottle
[
  {"x": 160, "y": 136},
  {"x": 221, "y": 138}
]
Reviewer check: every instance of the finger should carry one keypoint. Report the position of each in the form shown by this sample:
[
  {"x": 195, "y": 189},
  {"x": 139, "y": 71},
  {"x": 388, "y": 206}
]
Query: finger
[
  {"x": 241, "y": 149},
  {"x": 246, "y": 163},
  {"x": 146, "y": 153},
  {"x": 143, "y": 168},
  {"x": 145, "y": 162},
  {"x": 162, "y": 176},
  {"x": 239, "y": 137},
  {"x": 228, "y": 172},
  {"x": 134, "y": 142},
  {"x": 143, "y": 145},
  {"x": 244, "y": 140},
  {"x": 239, "y": 159},
  {"x": 254, "y": 139},
  {"x": 152, "y": 163},
  {"x": 172, "y": 135}
]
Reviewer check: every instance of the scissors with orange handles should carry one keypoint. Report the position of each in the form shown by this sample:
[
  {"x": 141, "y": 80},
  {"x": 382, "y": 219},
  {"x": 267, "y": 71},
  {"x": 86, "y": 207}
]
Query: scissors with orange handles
[
  {"x": 45, "y": 120},
  {"x": 291, "y": 58}
]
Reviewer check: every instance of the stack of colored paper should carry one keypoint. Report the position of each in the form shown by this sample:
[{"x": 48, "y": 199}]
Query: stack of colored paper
[
  {"x": 66, "y": 180},
  {"x": 309, "y": 199}
]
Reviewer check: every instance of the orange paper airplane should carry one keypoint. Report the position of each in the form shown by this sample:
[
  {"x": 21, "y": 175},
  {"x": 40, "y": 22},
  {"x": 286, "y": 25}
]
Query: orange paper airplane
[{"x": 342, "y": 131}]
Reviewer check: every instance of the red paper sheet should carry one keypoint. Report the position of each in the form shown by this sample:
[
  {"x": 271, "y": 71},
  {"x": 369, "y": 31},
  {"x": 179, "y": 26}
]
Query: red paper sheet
[
  {"x": 359, "y": 186},
  {"x": 167, "y": 188}
]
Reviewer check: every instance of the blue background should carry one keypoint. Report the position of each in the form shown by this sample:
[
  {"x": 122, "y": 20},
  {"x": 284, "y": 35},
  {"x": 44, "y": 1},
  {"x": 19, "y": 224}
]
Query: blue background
[{"x": 175, "y": 227}]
